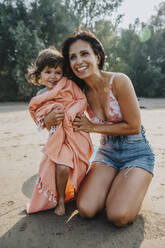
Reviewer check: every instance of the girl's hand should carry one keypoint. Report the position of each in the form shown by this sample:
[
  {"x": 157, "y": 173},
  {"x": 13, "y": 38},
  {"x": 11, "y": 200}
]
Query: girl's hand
[
  {"x": 82, "y": 123},
  {"x": 54, "y": 118}
]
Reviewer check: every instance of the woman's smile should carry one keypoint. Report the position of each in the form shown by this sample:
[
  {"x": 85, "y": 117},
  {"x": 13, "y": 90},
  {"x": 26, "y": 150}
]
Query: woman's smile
[
  {"x": 82, "y": 68},
  {"x": 83, "y": 61}
]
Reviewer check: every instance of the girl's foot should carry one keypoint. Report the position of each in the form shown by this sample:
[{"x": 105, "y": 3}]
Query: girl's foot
[{"x": 60, "y": 209}]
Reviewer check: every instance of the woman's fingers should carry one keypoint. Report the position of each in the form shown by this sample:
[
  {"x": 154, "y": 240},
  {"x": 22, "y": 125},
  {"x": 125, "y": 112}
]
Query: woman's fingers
[
  {"x": 58, "y": 118},
  {"x": 57, "y": 113},
  {"x": 77, "y": 121},
  {"x": 82, "y": 123},
  {"x": 54, "y": 118}
]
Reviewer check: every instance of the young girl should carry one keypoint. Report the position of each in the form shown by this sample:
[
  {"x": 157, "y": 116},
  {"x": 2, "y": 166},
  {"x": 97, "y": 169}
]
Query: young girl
[{"x": 65, "y": 162}]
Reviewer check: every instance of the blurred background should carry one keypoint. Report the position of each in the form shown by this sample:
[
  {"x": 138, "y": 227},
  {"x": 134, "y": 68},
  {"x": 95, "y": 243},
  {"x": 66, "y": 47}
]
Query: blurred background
[{"x": 136, "y": 48}]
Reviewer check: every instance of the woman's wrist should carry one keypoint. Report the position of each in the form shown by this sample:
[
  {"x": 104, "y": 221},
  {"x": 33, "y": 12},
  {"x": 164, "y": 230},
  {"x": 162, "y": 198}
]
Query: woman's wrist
[
  {"x": 101, "y": 128},
  {"x": 95, "y": 128}
]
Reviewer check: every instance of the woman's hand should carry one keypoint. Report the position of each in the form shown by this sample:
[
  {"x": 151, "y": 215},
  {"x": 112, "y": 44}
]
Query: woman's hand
[
  {"x": 54, "y": 118},
  {"x": 82, "y": 123}
]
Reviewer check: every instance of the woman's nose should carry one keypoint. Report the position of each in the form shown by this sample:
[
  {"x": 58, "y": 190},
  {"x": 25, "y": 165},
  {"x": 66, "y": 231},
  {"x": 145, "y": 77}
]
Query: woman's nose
[{"x": 79, "y": 60}]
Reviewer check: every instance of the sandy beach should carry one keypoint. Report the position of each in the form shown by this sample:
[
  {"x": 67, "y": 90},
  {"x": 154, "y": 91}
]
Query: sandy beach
[{"x": 20, "y": 155}]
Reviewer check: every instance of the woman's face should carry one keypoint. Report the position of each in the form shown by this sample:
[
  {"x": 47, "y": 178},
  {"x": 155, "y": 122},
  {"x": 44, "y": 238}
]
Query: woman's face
[{"x": 83, "y": 60}]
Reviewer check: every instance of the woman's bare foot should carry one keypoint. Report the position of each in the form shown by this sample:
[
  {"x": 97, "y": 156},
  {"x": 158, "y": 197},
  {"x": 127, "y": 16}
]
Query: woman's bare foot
[{"x": 60, "y": 209}]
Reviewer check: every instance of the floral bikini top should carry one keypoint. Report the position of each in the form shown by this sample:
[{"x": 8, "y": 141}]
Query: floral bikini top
[{"x": 114, "y": 109}]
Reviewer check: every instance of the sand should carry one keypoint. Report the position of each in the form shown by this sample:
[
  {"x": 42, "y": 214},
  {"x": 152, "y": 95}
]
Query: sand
[{"x": 20, "y": 146}]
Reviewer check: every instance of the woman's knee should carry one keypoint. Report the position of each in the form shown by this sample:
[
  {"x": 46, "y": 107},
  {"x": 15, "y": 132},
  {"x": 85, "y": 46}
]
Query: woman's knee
[
  {"x": 119, "y": 217},
  {"x": 85, "y": 210}
]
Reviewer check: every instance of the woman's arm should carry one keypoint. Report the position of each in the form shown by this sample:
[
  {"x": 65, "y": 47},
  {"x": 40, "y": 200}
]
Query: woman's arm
[{"x": 125, "y": 94}]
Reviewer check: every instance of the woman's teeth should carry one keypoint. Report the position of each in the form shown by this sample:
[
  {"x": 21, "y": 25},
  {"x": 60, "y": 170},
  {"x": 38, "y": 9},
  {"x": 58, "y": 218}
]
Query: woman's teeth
[{"x": 84, "y": 68}]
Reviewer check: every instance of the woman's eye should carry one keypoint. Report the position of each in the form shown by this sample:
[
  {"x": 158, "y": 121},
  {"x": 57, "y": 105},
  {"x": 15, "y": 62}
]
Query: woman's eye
[
  {"x": 72, "y": 57},
  {"x": 58, "y": 73},
  {"x": 84, "y": 53}
]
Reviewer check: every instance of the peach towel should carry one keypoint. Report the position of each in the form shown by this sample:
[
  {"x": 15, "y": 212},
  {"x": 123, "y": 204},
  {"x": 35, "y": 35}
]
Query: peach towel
[{"x": 64, "y": 146}]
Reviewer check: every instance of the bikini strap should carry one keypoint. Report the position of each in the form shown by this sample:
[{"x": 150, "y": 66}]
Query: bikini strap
[{"x": 112, "y": 77}]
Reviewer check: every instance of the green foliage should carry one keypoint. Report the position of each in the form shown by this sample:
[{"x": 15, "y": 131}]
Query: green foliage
[
  {"x": 107, "y": 34},
  {"x": 139, "y": 53},
  {"x": 158, "y": 21},
  {"x": 90, "y": 11},
  {"x": 26, "y": 28},
  {"x": 52, "y": 19},
  {"x": 27, "y": 44},
  {"x": 23, "y": 32}
]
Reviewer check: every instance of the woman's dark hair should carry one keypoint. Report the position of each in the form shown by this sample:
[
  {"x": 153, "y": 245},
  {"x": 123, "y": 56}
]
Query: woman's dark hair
[
  {"x": 95, "y": 44},
  {"x": 47, "y": 57}
]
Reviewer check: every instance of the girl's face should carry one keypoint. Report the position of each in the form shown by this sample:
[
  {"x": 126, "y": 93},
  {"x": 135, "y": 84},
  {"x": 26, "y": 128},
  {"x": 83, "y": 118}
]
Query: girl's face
[
  {"x": 83, "y": 61},
  {"x": 50, "y": 76}
]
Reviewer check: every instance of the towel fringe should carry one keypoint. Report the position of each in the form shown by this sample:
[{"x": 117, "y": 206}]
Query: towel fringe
[
  {"x": 42, "y": 188},
  {"x": 45, "y": 193},
  {"x": 51, "y": 196},
  {"x": 40, "y": 123}
]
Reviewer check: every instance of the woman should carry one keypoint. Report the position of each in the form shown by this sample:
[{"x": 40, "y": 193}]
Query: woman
[{"x": 123, "y": 166}]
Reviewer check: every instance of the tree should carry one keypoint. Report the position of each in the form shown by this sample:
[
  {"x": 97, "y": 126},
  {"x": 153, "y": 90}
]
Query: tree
[
  {"x": 140, "y": 54},
  {"x": 53, "y": 19},
  {"x": 158, "y": 20},
  {"x": 27, "y": 45},
  {"x": 24, "y": 30},
  {"x": 90, "y": 11},
  {"x": 107, "y": 34}
]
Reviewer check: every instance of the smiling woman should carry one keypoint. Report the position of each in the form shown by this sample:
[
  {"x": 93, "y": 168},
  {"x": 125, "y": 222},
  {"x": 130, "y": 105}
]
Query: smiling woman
[
  {"x": 123, "y": 166},
  {"x": 94, "y": 46},
  {"x": 83, "y": 62}
]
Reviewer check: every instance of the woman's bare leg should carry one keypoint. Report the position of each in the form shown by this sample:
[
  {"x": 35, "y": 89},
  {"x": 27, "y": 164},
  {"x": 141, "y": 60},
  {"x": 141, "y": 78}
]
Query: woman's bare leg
[
  {"x": 126, "y": 195},
  {"x": 62, "y": 174},
  {"x": 94, "y": 189}
]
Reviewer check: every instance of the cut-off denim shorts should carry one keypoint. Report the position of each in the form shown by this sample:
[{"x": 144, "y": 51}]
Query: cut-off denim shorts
[{"x": 127, "y": 151}]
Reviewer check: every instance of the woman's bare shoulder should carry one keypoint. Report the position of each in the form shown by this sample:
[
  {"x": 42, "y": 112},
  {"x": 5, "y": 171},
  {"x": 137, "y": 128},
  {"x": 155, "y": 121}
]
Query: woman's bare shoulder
[
  {"x": 121, "y": 77},
  {"x": 121, "y": 80},
  {"x": 118, "y": 76}
]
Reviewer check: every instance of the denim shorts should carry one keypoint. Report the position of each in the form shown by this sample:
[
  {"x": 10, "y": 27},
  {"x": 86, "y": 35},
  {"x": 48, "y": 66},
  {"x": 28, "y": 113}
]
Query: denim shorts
[{"x": 126, "y": 151}]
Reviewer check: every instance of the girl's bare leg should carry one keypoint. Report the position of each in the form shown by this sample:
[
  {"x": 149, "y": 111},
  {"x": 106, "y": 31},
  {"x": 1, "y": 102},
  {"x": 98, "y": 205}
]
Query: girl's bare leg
[
  {"x": 62, "y": 174},
  {"x": 126, "y": 195},
  {"x": 93, "y": 190}
]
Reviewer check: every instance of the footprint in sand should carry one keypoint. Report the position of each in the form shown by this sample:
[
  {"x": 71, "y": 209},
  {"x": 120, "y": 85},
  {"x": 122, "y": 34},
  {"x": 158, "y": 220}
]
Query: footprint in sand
[
  {"x": 23, "y": 227},
  {"x": 7, "y": 204}
]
